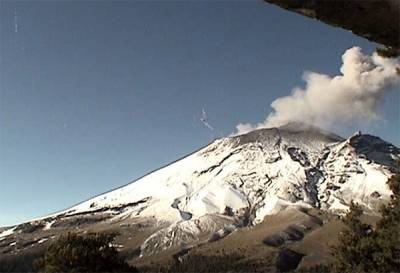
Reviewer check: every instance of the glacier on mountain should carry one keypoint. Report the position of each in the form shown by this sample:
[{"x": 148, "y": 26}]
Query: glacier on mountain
[{"x": 237, "y": 181}]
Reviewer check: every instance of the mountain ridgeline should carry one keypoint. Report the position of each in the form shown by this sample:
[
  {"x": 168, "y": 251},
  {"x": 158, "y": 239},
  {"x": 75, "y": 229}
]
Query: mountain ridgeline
[{"x": 231, "y": 185}]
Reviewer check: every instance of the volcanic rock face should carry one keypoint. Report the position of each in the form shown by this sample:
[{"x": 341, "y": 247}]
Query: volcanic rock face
[{"x": 231, "y": 183}]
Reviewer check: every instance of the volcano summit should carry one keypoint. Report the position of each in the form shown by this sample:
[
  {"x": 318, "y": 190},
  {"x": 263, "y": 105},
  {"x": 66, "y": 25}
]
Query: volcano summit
[{"x": 229, "y": 187}]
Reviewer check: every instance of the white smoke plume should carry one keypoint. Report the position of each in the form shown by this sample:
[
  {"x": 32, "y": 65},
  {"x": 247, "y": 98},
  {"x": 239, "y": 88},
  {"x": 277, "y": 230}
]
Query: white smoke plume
[{"x": 352, "y": 96}]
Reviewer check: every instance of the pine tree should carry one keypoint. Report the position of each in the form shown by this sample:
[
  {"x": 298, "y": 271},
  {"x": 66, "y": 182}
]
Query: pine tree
[
  {"x": 388, "y": 231},
  {"x": 355, "y": 246},
  {"x": 363, "y": 248},
  {"x": 73, "y": 253}
]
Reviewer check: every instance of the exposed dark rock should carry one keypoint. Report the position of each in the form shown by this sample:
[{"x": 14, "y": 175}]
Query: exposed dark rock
[
  {"x": 288, "y": 260},
  {"x": 298, "y": 155},
  {"x": 211, "y": 168},
  {"x": 221, "y": 234},
  {"x": 332, "y": 187},
  {"x": 175, "y": 204},
  {"x": 375, "y": 194},
  {"x": 23, "y": 244},
  {"x": 185, "y": 215},
  {"x": 292, "y": 233},
  {"x": 229, "y": 211},
  {"x": 289, "y": 235},
  {"x": 30, "y": 227},
  {"x": 75, "y": 221},
  {"x": 178, "y": 256},
  {"x": 374, "y": 149}
]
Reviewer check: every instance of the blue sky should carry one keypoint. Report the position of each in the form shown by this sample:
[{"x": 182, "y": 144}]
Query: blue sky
[{"x": 94, "y": 94}]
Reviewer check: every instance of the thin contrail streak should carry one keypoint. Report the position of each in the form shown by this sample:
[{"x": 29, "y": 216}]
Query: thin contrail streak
[
  {"x": 15, "y": 21},
  {"x": 203, "y": 119}
]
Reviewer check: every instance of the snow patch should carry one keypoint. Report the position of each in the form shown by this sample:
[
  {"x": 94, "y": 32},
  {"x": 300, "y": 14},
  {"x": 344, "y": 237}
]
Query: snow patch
[
  {"x": 48, "y": 225},
  {"x": 6, "y": 233}
]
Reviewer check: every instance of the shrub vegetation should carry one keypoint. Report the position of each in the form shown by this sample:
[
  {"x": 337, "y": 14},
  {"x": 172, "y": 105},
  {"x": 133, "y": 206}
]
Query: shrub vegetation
[
  {"x": 363, "y": 248},
  {"x": 74, "y": 253}
]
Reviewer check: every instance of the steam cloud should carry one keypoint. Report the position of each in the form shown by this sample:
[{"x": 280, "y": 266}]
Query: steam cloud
[{"x": 353, "y": 96}]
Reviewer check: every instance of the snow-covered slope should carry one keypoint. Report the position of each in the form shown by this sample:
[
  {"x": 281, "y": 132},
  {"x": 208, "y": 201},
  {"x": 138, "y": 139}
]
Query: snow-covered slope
[
  {"x": 263, "y": 171},
  {"x": 239, "y": 180}
]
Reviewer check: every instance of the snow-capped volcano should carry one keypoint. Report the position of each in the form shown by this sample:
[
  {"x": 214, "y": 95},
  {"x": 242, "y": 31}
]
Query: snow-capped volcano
[
  {"x": 261, "y": 171},
  {"x": 237, "y": 181}
]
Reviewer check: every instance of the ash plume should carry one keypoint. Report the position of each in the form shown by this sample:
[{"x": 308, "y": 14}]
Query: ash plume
[{"x": 352, "y": 96}]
